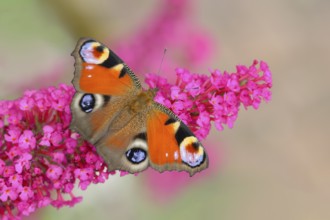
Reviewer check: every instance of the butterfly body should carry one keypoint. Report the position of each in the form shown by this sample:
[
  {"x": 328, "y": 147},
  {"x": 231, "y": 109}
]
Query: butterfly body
[{"x": 128, "y": 128}]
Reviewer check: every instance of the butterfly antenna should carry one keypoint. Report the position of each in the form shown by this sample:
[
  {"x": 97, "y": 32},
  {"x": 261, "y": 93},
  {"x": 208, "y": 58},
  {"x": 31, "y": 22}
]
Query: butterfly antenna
[{"x": 161, "y": 63}]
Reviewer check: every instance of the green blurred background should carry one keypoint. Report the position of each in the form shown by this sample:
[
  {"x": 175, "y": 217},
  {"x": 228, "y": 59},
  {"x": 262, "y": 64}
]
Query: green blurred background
[{"x": 274, "y": 162}]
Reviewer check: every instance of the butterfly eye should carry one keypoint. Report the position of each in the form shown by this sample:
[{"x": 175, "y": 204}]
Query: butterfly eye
[
  {"x": 136, "y": 155},
  {"x": 87, "y": 103}
]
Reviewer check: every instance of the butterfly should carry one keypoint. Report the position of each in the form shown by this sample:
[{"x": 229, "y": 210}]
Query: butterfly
[{"x": 130, "y": 131}]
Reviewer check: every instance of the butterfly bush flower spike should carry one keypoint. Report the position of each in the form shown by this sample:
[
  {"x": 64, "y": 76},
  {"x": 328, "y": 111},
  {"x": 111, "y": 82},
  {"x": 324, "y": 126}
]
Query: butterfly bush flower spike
[
  {"x": 199, "y": 100},
  {"x": 41, "y": 158}
]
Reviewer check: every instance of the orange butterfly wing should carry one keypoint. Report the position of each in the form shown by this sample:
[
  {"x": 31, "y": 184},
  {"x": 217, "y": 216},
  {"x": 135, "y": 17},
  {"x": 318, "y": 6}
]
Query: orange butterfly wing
[
  {"x": 171, "y": 144},
  {"x": 99, "y": 70}
]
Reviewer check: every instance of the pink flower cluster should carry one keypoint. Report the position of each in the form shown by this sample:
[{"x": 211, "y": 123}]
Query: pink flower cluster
[
  {"x": 199, "y": 99},
  {"x": 41, "y": 158}
]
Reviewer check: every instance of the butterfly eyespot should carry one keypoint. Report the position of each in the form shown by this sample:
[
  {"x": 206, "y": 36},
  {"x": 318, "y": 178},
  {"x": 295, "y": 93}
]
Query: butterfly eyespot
[
  {"x": 192, "y": 152},
  {"x": 94, "y": 53},
  {"x": 87, "y": 103},
  {"x": 136, "y": 155}
]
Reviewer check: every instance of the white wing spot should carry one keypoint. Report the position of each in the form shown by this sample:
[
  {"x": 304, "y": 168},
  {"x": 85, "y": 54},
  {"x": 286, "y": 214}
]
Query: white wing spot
[
  {"x": 89, "y": 67},
  {"x": 176, "y": 155}
]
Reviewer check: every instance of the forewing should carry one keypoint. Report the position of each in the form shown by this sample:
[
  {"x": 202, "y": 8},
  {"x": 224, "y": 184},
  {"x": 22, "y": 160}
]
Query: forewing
[
  {"x": 171, "y": 144},
  {"x": 99, "y": 70}
]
